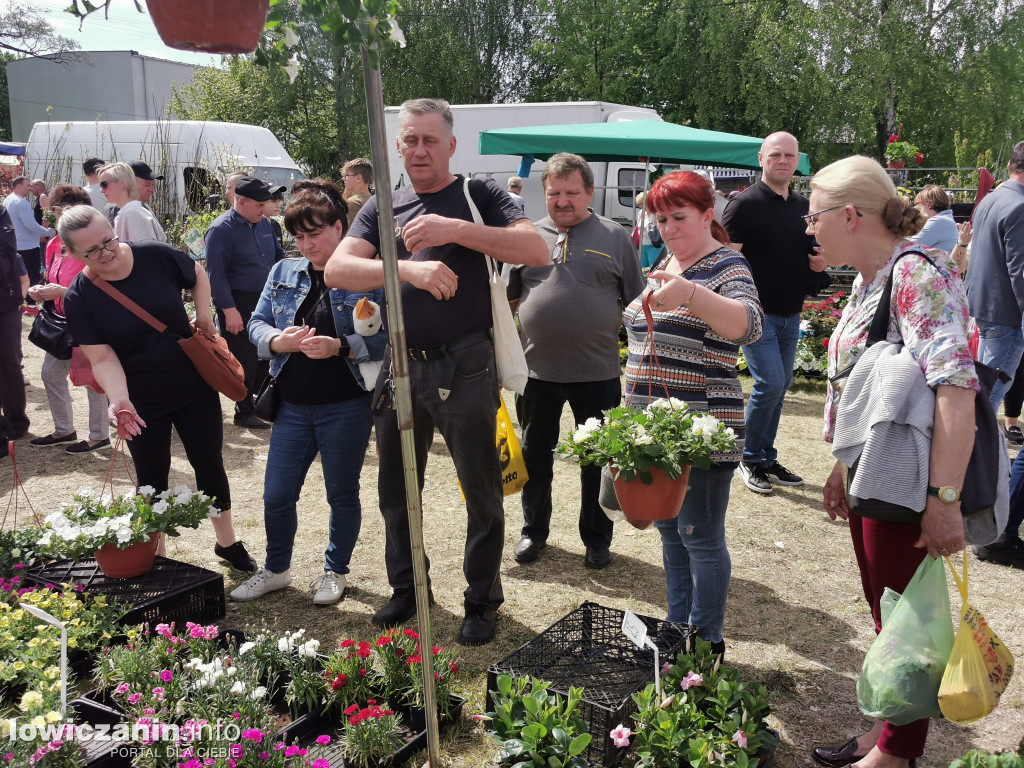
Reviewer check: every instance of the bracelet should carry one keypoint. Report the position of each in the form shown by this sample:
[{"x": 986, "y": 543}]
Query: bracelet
[
  {"x": 692, "y": 294},
  {"x": 962, "y": 245}
]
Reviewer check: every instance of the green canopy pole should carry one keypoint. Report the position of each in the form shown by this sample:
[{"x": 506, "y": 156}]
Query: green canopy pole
[{"x": 403, "y": 392}]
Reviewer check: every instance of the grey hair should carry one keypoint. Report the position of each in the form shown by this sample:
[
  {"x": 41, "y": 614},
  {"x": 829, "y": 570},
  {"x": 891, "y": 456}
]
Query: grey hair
[
  {"x": 123, "y": 173},
  {"x": 420, "y": 107},
  {"x": 73, "y": 219},
  {"x": 563, "y": 164}
]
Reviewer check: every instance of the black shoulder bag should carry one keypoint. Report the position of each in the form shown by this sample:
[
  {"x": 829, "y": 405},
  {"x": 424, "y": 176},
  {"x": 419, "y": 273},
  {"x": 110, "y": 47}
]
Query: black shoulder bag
[{"x": 981, "y": 483}]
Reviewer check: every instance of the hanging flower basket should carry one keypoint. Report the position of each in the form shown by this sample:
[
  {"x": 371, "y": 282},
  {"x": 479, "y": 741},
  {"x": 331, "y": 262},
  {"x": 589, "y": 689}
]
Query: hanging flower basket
[
  {"x": 210, "y": 26},
  {"x": 660, "y": 500},
  {"x": 127, "y": 563}
]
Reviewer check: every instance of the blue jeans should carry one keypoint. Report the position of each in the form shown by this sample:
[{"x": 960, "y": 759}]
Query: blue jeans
[
  {"x": 770, "y": 361},
  {"x": 1000, "y": 346},
  {"x": 339, "y": 432},
  {"x": 467, "y": 420},
  {"x": 1016, "y": 517},
  {"x": 697, "y": 563}
]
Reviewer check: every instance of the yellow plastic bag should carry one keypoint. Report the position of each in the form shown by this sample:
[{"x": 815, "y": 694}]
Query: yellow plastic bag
[
  {"x": 979, "y": 667},
  {"x": 513, "y": 466}
]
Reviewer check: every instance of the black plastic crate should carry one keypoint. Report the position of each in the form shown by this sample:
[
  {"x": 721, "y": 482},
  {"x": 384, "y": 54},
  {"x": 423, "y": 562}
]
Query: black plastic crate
[
  {"x": 99, "y": 752},
  {"x": 588, "y": 650},
  {"x": 170, "y": 591}
]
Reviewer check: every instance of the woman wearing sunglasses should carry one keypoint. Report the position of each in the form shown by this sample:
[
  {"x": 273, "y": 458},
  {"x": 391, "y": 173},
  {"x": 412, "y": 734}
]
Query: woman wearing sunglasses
[
  {"x": 861, "y": 221},
  {"x": 150, "y": 382},
  {"x": 61, "y": 270},
  {"x": 133, "y": 221}
]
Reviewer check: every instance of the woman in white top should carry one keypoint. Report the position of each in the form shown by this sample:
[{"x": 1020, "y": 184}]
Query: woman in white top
[{"x": 134, "y": 221}]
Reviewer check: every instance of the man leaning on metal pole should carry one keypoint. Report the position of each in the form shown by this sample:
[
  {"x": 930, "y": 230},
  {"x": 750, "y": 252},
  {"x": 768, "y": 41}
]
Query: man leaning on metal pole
[{"x": 452, "y": 373}]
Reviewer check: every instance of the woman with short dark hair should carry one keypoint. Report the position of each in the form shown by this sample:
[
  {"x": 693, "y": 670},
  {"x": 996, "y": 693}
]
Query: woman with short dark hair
[{"x": 319, "y": 361}]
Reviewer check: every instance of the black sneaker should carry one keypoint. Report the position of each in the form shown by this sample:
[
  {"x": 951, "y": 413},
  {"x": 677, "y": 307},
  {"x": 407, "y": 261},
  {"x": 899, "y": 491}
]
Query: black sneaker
[
  {"x": 1014, "y": 435},
  {"x": 1005, "y": 551},
  {"x": 84, "y": 446},
  {"x": 779, "y": 474},
  {"x": 754, "y": 477},
  {"x": 236, "y": 556},
  {"x": 51, "y": 440}
]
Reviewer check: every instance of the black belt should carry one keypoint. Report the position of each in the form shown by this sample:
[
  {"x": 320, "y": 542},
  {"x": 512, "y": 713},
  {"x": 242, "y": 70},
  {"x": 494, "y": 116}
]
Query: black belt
[{"x": 430, "y": 355}]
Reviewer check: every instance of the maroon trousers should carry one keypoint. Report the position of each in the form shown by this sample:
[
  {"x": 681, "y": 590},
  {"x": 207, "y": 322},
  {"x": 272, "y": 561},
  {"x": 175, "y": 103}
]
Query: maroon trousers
[{"x": 887, "y": 557}]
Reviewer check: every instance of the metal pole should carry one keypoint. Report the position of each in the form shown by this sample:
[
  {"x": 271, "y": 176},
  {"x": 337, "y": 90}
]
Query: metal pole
[{"x": 403, "y": 393}]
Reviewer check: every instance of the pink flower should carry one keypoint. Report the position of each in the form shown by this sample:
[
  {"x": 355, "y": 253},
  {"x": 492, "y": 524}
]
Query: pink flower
[
  {"x": 253, "y": 734},
  {"x": 321, "y": 763},
  {"x": 134, "y": 698},
  {"x": 167, "y": 675},
  {"x": 324, "y": 739},
  {"x": 691, "y": 680},
  {"x": 122, "y": 689},
  {"x": 264, "y": 756},
  {"x": 741, "y": 739},
  {"x": 620, "y": 735},
  {"x": 665, "y": 668}
]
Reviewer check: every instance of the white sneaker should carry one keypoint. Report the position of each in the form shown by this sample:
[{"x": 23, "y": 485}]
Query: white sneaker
[
  {"x": 263, "y": 582},
  {"x": 328, "y": 588}
]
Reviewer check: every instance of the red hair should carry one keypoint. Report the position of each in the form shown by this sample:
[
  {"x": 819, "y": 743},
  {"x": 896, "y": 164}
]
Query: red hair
[{"x": 685, "y": 188}]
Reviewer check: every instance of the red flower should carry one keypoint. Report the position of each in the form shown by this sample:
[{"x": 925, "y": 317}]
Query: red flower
[
  {"x": 339, "y": 682},
  {"x": 894, "y": 138},
  {"x": 918, "y": 158},
  {"x": 415, "y": 659},
  {"x": 352, "y": 709},
  {"x": 364, "y": 653},
  {"x": 411, "y": 633},
  {"x": 383, "y": 640},
  {"x": 455, "y": 667},
  {"x": 347, "y": 643},
  {"x": 355, "y": 719},
  {"x": 824, "y": 343}
]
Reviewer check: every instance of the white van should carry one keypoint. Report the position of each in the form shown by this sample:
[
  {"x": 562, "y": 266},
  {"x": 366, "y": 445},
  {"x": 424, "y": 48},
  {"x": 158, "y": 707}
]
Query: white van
[{"x": 193, "y": 156}]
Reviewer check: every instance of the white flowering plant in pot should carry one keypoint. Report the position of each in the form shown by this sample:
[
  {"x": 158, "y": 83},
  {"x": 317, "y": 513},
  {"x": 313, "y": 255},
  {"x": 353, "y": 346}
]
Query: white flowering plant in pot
[
  {"x": 665, "y": 435},
  {"x": 90, "y": 522}
]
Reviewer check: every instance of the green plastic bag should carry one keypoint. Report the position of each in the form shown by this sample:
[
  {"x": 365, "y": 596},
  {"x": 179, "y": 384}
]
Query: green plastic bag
[{"x": 903, "y": 669}]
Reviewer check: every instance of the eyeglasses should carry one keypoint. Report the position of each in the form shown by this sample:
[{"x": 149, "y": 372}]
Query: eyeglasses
[
  {"x": 107, "y": 245},
  {"x": 561, "y": 250},
  {"x": 811, "y": 219}
]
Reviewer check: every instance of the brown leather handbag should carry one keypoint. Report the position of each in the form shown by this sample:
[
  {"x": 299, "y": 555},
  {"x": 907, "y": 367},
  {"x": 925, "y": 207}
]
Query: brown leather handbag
[{"x": 209, "y": 354}]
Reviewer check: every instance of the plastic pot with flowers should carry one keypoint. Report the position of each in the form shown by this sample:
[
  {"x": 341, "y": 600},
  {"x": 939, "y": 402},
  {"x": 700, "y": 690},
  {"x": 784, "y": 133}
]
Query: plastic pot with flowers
[
  {"x": 704, "y": 716},
  {"x": 899, "y": 152},
  {"x": 122, "y": 533},
  {"x": 648, "y": 453},
  {"x": 193, "y": 694}
]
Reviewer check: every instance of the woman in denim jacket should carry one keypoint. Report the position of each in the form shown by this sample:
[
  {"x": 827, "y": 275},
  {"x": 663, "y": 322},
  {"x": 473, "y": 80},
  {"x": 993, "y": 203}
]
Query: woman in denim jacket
[{"x": 307, "y": 332}]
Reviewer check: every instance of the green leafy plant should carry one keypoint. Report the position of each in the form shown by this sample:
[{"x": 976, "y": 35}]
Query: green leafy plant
[
  {"x": 89, "y": 523},
  {"x": 665, "y": 435},
  {"x": 371, "y": 734},
  {"x": 536, "y": 728},
  {"x": 704, "y": 715},
  {"x": 902, "y": 150},
  {"x": 979, "y": 758},
  {"x": 19, "y": 550}
]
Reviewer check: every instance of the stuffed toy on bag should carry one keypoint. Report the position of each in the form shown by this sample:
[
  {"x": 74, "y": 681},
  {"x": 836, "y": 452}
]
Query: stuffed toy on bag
[{"x": 367, "y": 318}]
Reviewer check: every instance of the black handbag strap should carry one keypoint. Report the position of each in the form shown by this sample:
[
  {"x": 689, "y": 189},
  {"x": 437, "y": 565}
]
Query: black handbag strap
[{"x": 880, "y": 322}]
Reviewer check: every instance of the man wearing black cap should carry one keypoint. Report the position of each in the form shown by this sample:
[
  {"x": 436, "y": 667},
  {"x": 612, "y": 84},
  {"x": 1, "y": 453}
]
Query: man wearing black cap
[
  {"x": 240, "y": 250},
  {"x": 145, "y": 183}
]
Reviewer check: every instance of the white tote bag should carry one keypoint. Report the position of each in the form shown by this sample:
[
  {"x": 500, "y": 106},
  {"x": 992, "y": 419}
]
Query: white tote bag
[{"x": 513, "y": 372}]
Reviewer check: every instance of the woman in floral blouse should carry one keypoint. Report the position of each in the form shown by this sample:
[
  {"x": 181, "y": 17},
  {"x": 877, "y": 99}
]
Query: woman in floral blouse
[
  {"x": 859, "y": 220},
  {"x": 704, "y": 308}
]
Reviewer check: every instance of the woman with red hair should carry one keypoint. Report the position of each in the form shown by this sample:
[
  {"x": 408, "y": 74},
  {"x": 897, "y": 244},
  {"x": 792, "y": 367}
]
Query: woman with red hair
[{"x": 704, "y": 307}]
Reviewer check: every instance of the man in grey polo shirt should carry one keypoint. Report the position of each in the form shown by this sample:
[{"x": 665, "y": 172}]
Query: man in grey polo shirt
[{"x": 570, "y": 311}]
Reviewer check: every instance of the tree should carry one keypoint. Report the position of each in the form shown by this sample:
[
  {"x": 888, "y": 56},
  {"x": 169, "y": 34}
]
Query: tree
[
  {"x": 6, "y": 131},
  {"x": 24, "y": 31}
]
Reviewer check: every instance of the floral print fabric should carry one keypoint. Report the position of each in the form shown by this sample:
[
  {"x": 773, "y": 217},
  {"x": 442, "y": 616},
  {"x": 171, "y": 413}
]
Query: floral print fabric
[{"x": 928, "y": 315}]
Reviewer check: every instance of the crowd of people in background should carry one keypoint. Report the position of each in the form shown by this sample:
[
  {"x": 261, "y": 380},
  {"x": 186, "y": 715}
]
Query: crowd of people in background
[{"x": 720, "y": 281}]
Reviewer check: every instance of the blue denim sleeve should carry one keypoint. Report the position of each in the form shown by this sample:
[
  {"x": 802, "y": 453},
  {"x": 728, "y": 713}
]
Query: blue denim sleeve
[{"x": 261, "y": 326}]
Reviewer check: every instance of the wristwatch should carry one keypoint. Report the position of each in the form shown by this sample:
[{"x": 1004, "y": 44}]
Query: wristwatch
[{"x": 947, "y": 494}]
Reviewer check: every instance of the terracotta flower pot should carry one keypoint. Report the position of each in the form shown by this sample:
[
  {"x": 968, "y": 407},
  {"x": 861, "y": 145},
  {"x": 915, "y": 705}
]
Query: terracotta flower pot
[
  {"x": 897, "y": 164},
  {"x": 127, "y": 563},
  {"x": 660, "y": 500},
  {"x": 210, "y": 26}
]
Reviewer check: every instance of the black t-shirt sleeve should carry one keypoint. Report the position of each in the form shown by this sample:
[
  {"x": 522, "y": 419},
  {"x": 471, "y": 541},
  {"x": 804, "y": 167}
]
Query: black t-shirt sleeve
[
  {"x": 497, "y": 208},
  {"x": 365, "y": 226}
]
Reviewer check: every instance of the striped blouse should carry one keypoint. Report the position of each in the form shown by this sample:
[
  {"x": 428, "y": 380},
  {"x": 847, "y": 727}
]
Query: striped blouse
[{"x": 697, "y": 365}]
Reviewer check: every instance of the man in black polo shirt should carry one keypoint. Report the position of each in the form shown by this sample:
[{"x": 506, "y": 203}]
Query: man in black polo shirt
[
  {"x": 764, "y": 222},
  {"x": 447, "y": 309}
]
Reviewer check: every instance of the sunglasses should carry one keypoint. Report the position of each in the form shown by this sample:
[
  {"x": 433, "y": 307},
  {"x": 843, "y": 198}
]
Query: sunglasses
[
  {"x": 561, "y": 250},
  {"x": 104, "y": 184}
]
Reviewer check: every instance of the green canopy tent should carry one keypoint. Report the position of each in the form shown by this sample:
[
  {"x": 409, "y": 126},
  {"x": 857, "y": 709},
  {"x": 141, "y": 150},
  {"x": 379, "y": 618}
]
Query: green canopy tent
[{"x": 651, "y": 140}]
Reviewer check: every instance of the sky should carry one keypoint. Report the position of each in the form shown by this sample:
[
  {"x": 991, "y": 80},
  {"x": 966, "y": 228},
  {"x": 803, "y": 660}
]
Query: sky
[{"x": 125, "y": 30}]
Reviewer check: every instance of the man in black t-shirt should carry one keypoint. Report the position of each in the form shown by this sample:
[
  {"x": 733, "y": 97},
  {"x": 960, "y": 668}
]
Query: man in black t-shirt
[
  {"x": 447, "y": 310},
  {"x": 765, "y": 223}
]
